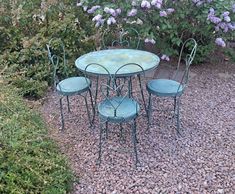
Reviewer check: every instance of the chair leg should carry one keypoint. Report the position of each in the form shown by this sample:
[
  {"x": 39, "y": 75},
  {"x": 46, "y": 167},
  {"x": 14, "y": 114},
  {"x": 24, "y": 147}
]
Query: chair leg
[
  {"x": 121, "y": 131},
  {"x": 100, "y": 144},
  {"x": 134, "y": 139},
  {"x": 178, "y": 116},
  {"x": 174, "y": 104},
  {"x": 93, "y": 107},
  {"x": 61, "y": 114},
  {"x": 67, "y": 97},
  {"x": 96, "y": 91},
  {"x": 88, "y": 112},
  {"x": 106, "y": 129},
  {"x": 142, "y": 94},
  {"x": 130, "y": 92},
  {"x": 149, "y": 112}
]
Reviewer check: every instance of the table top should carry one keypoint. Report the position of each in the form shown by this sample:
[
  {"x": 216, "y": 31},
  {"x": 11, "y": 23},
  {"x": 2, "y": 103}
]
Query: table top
[{"x": 113, "y": 59}]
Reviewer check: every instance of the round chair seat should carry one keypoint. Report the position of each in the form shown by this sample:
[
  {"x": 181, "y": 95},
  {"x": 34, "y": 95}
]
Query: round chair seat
[
  {"x": 127, "y": 109},
  {"x": 73, "y": 85},
  {"x": 164, "y": 87}
]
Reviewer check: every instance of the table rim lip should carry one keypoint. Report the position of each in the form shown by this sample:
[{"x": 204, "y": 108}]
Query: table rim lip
[{"x": 123, "y": 75}]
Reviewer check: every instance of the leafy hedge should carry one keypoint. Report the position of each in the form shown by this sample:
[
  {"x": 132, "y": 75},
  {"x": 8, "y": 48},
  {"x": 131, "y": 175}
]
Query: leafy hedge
[
  {"x": 25, "y": 29},
  {"x": 29, "y": 161}
]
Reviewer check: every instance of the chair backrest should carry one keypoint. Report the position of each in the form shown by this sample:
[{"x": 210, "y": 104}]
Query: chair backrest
[
  {"x": 113, "y": 88},
  {"x": 57, "y": 57},
  {"x": 125, "y": 38},
  {"x": 188, "y": 49}
]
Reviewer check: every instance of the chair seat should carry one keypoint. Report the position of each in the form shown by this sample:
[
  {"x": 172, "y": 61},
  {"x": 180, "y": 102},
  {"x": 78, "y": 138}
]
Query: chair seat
[
  {"x": 127, "y": 110},
  {"x": 73, "y": 85},
  {"x": 164, "y": 87}
]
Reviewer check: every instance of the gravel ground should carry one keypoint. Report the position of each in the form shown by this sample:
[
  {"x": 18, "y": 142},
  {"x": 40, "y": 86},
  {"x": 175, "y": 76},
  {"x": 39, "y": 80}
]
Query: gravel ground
[{"x": 202, "y": 160}]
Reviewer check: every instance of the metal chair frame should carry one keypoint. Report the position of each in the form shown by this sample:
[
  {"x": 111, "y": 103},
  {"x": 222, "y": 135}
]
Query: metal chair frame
[
  {"x": 118, "y": 98},
  {"x": 123, "y": 40},
  {"x": 182, "y": 84},
  {"x": 55, "y": 61}
]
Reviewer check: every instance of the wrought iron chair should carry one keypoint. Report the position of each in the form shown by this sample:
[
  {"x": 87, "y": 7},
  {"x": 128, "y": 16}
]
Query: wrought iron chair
[
  {"x": 125, "y": 38},
  {"x": 70, "y": 86},
  {"x": 117, "y": 108},
  {"x": 171, "y": 87}
]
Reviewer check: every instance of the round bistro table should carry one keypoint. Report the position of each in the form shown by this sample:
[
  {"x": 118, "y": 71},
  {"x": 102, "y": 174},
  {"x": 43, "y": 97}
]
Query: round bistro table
[{"x": 113, "y": 59}]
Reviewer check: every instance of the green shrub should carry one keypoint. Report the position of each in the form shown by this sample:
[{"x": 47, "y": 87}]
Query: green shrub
[
  {"x": 29, "y": 161},
  {"x": 27, "y": 26}
]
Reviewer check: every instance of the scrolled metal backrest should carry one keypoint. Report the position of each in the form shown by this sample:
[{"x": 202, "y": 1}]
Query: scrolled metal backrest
[
  {"x": 55, "y": 62},
  {"x": 92, "y": 65},
  {"x": 52, "y": 50},
  {"x": 188, "y": 60},
  {"x": 119, "y": 87},
  {"x": 126, "y": 38}
]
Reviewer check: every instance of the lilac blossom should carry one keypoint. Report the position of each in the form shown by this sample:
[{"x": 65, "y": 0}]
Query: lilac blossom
[
  {"x": 93, "y": 9},
  {"x": 163, "y": 14},
  {"x": 145, "y": 4},
  {"x": 97, "y": 18},
  {"x": 170, "y": 10},
  {"x": 110, "y": 11},
  {"x": 111, "y": 20},
  {"x": 165, "y": 57},
  {"x": 157, "y": 3},
  {"x": 231, "y": 26},
  {"x": 214, "y": 19},
  {"x": 220, "y": 42},
  {"x": 118, "y": 11},
  {"x": 132, "y": 12},
  {"x": 226, "y": 17}
]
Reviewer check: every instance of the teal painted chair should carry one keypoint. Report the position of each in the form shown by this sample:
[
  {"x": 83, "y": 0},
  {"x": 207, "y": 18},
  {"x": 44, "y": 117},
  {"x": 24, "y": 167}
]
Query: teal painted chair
[
  {"x": 116, "y": 107},
  {"x": 69, "y": 86},
  {"x": 125, "y": 38},
  {"x": 171, "y": 87}
]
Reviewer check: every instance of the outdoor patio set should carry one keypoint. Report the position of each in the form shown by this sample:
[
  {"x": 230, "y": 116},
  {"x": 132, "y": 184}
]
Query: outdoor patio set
[{"x": 115, "y": 68}]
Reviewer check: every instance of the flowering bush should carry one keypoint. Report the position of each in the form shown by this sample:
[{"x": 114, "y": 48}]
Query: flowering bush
[{"x": 166, "y": 24}]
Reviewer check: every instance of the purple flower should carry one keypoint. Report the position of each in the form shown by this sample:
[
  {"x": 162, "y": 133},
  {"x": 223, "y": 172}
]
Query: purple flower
[
  {"x": 118, "y": 11},
  {"x": 227, "y": 19},
  {"x": 214, "y": 19},
  {"x": 110, "y": 11},
  {"x": 132, "y": 12},
  {"x": 157, "y": 3},
  {"x": 212, "y": 12},
  {"x": 93, "y": 9},
  {"x": 223, "y": 26},
  {"x": 231, "y": 26},
  {"x": 97, "y": 18},
  {"x": 163, "y": 14},
  {"x": 226, "y": 13},
  {"x": 99, "y": 23},
  {"x": 170, "y": 10},
  {"x": 111, "y": 20},
  {"x": 220, "y": 42},
  {"x": 165, "y": 57},
  {"x": 145, "y": 4}
]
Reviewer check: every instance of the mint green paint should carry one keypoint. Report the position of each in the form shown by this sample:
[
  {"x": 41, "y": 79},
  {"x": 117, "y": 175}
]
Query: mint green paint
[{"x": 113, "y": 59}]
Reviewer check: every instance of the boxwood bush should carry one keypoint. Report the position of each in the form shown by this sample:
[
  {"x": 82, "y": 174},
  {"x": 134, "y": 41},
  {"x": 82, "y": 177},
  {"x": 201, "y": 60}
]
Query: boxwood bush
[{"x": 29, "y": 161}]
